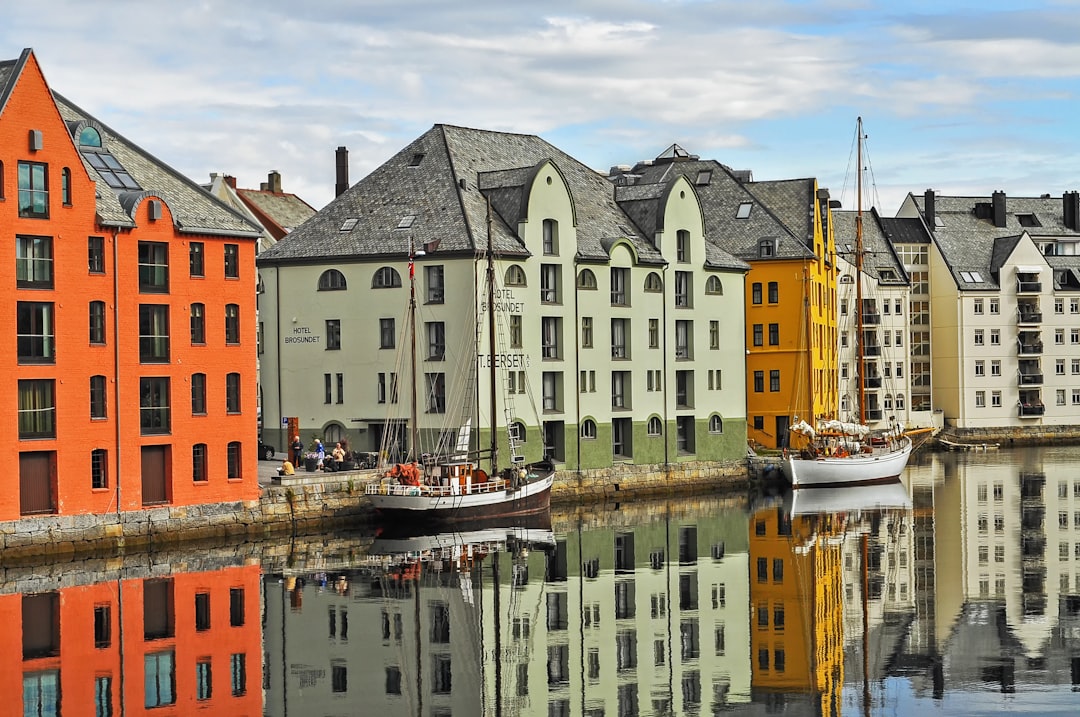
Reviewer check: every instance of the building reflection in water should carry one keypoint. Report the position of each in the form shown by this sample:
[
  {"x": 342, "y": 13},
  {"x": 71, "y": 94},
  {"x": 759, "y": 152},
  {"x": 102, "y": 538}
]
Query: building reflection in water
[{"x": 182, "y": 642}]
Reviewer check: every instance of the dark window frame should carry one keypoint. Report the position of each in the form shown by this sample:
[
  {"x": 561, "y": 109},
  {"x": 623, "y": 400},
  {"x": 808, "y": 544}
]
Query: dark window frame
[
  {"x": 33, "y": 186},
  {"x": 153, "y": 267},
  {"x": 232, "y": 261},
  {"x": 99, "y": 403},
  {"x": 232, "y": 324},
  {"x": 97, "y": 326}
]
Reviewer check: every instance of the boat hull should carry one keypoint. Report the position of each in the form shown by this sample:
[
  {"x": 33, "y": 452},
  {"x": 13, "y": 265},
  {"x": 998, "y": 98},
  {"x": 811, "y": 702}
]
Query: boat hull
[
  {"x": 849, "y": 470},
  {"x": 442, "y": 505}
]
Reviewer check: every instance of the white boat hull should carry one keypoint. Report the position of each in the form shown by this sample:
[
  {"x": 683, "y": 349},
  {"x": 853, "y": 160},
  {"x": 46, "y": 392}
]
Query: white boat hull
[
  {"x": 880, "y": 465},
  {"x": 451, "y": 503}
]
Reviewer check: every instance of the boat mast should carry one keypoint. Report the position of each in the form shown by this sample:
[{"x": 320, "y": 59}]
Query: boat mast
[
  {"x": 491, "y": 340},
  {"x": 414, "y": 414},
  {"x": 859, "y": 368}
]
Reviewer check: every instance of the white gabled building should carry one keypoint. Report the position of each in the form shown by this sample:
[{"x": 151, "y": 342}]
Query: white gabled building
[
  {"x": 1004, "y": 278},
  {"x": 619, "y": 327}
]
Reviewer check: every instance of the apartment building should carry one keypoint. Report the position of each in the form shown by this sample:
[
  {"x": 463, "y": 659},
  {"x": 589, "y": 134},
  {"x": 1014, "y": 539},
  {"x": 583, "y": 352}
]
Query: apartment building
[
  {"x": 131, "y": 381},
  {"x": 618, "y": 327}
]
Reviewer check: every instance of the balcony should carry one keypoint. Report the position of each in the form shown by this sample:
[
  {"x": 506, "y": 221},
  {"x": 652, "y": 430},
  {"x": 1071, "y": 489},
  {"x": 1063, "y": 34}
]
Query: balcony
[
  {"x": 872, "y": 382},
  {"x": 1028, "y": 287},
  {"x": 1032, "y": 348},
  {"x": 1031, "y": 410},
  {"x": 872, "y": 350},
  {"x": 1029, "y": 314},
  {"x": 871, "y": 318},
  {"x": 874, "y": 414},
  {"x": 1030, "y": 378}
]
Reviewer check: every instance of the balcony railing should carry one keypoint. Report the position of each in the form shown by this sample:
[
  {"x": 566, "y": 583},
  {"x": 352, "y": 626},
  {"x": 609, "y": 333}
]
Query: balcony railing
[
  {"x": 1029, "y": 349},
  {"x": 1031, "y": 410},
  {"x": 874, "y": 414},
  {"x": 871, "y": 318},
  {"x": 872, "y": 382},
  {"x": 1028, "y": 287},
  {"x": 1030, "y": 316},
  {"x": 872, "y": 350},
  {"x": 1031, "y": 379}
]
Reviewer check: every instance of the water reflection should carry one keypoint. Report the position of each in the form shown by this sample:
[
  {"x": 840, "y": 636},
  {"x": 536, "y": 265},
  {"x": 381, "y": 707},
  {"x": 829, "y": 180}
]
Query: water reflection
[{"x": 955, "y": 591}]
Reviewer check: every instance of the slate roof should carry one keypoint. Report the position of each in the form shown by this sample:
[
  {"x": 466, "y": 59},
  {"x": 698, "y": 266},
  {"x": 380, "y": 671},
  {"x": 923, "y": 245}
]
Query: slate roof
[
  {"x": 283, "y": 210},
  {"x": 792, "y": 201},
  {"x": 969, "y": 241},
  {"x": 720, "y": 199},
  {"x": 879, "y": 258},
  {"x": 194, "y": 211},
  {"x": 435, "y": 179}
]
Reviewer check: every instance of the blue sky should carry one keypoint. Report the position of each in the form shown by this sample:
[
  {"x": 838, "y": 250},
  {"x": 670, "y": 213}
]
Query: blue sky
[{"x": 962, "y": 97}]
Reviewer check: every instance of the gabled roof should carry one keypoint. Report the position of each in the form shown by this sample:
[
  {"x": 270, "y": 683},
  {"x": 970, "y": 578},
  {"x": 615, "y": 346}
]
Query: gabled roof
[
  {"x": 721, "y": 195},
  {"x": 968, "y": 240},
  {"x": 792, "y": 201},
  {"x": 279, "y": 212},
  {"x": 9, "y": 73},
  {"x": 434, "y": 180},
  {"x": 879, "y": 258}
]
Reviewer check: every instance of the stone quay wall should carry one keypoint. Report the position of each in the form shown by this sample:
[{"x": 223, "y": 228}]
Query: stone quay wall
[
  {"x": 1034, "y": 435},
  {"x": 320, "y": 503}
]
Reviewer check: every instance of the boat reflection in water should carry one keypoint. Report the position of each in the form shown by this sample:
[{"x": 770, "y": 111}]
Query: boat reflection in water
[
  {"x": 188, "y": 643},
  {"x": 824, "y": 559}
]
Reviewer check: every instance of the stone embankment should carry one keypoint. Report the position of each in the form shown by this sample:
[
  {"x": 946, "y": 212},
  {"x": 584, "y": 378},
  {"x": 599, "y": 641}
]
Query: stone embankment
[{"x": 309, "y": 503}]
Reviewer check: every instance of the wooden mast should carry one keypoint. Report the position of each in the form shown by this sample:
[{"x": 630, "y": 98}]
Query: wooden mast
[
  {"x": 491, "y": 343},
  {"x": 859, "y": 357},
  {"x": 414, "y": 414}
]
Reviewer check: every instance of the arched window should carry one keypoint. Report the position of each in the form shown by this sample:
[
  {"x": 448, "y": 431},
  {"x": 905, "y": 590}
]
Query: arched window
[
  {"x": 653, "y": 283},
  {"x": 232, "y": 455},
  {"x": 655, "y": 428},
  {"x": 334, "y": 280},
  {"x": 847, "y": 279},
  {"x": 65, "y": 186},
  {"x": 519, "y": 431},
  {"x": 588, "y": 429},
  {"x": 386, "y": 277},
  {"x": 586, "y": 279},
  {"x": 899, "y": 402},
  {"x": 716, "y": 424},
  {"x": 515, "y": 276},
  {"x": 551, "y": 237},
  {"x": 887, "y": 402},
  {"x": 713, "y": 286},
  {"x": 766, "y": 248},
  {"x": 89, "y": 137},
  {"x": 333, "y": 434}
]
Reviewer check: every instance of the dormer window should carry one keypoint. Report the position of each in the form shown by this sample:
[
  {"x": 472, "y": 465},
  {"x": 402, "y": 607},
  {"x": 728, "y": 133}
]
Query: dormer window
[
  {"x": 886, "y": 274},
  {"x": 89, "y": 137},
  {"x": 1028, "y": 220},
  {"x": 766, "y": 248}
]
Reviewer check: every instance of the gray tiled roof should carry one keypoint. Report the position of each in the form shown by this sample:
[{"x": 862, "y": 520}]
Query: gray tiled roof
[
  {"x": 878, "y": 254},
  {"x": 720, "y": 199},
  {"x": 8, "y": 74},
  {"x": 969, "y": 242},
  {"x": 440, "y": 189},
  {"x": 792, "y": 201},
  {"x": 287, "y": 210}
]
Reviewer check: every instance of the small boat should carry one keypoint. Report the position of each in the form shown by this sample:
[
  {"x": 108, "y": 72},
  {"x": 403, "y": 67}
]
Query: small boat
[{"x": 451, "y": 486}]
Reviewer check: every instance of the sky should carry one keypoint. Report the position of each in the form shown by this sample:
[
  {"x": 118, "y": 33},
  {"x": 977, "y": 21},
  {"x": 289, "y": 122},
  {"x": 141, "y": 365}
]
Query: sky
[{"x": 962, "y": 97}]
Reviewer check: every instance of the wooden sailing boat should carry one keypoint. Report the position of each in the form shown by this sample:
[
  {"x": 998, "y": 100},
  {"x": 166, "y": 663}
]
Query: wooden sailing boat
[
  {"x": 847, "y": 452},
  {"x": 454, "y": 487}
]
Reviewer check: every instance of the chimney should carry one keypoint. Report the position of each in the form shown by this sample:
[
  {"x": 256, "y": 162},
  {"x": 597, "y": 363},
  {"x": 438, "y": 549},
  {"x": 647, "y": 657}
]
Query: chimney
[
  {"x": 1071, "y": 202},
  {"x": 273, "y": 181},
  {"x": 929, "y": 211},
  {"x": 997, "y": 200},
  {"x": 230, "y": 180},
  {"x": 342, "y": 157}
]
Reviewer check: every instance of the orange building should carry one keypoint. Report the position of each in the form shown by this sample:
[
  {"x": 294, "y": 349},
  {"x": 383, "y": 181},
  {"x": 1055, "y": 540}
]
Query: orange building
[
  {"x": 132, "y": 297},
  {"x": 167, "y": 646}
]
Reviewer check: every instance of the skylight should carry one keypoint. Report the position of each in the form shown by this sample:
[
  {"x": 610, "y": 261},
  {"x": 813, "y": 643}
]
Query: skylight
[
  {"x": 971, "y": 277},
  {"x": 1028, "y": 220},
  {"x": 406, "y": 221},
  {"x": 744, "y": 210},
  {"x": 416, "y": 159},
  {"x": 348, "y": 224},
  {"x": 110, "y": 170},
  {"x": 704, "y": 176}
]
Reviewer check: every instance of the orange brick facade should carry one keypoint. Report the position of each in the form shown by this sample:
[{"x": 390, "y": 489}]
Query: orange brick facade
[{"x": 56, "y": 342}]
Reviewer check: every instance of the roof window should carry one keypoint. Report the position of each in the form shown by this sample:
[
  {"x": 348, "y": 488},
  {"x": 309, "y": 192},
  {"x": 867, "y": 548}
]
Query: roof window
[
  {"x": 348, "y": 224},
  {"x": 406, "y": 221},
  {"x": 1028, "y": 220},
  {"x": 704, "y": 177},
  {"x": 416, "y": 159},
  {"x": 744, "y": 210}
]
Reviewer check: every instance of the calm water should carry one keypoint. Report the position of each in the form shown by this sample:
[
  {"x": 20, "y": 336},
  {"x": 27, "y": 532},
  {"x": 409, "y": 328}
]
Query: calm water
[{"x": 955, "y": 592}]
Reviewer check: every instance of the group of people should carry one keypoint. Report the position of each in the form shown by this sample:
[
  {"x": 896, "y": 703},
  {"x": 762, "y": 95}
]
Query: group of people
[{"x": 326, "y": 463}]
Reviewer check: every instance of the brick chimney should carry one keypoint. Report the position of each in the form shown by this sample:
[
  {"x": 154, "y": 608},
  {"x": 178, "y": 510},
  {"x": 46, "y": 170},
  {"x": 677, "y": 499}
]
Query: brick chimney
[
  {"x": 929, "y": 211},
  {"x": 273, "y": 181},
  {"x": 997, "y": 201},
  {"x": 1071, "y": 205},
  {"x": 230, "y": 180},
  {"x": 342, "y": 158}
]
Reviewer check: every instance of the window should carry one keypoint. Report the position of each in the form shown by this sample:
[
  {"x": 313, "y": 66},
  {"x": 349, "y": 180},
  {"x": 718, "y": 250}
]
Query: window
[
  {"x": 654, "y": 333},
  {"x": 436, "y": 336},
  {"x": 339, "y": 379},
  {"x": 683, "y": 289},
  {"x": 759, "y": 381},
  {"x": 980, "y": 368},
  {"x": 515, "y": 331},
  {"x": 774, "y": 381},
  {"x": 620, "y": 388},
  {"x": 36, "y": 341},
  {"x": 551, "y": 237},
  {"x": 586, "y": 279},
  {"x": 714, "y": 335},
  {"x": 549, "y": 284},
  {"x": 515, "y": 276},
  {"x": 744, "y": 210},
  {"x": 586, "y": 332},
  {"x": 654, "y": 426},
  {"x": 385, "y": 277},
  {"x": 588, "y": 429},
  {"x": 716, "y": 424},
  {"x": 198, "y": 394},
  {"x": 333, "y": 334},
  {"x": 755, "y": 292},
  {"x": 332, "y": 280},
  {"x": 37, "y": 408},
  {"x": 684, "y": 339},
  {"x": 159, "y": 679},
  {"x": 95, "y": 249},
  {"x": 980, "y": 399},
  {"x": 198, "y": 324},
  {"x": 386, "y": 383},
  {"x": 99, "y": 469},
  {"x": 328, "y": 388},
  {"x": 232, "y": 393},
  {"x": 995, "y": 399},
  {"x": 434, "y": 281},
  {"x": 33, "y": 190},
  {"x": 33, "y": 262},
  {"x": 774, "y": 334},
  {"x": 619, "y": 277},
  {"x": 232, "y": 456},
  {"x": 766, "y": 248},
  {"x": 232, "y": 324},
  {"x": 995, "y": 306},
  {"x": 774, "y": 292},
  {"x": 979, "y": 339},
  {"x": 153, "y": 333},
  {"x": 153, "y": 267},
  {"x": 682, "y": 246},
  {"x": 196, "y": 259},
  {"x": 1059, "y": 337},
  {"x": 436, "y": 392},
  {"x": 97, "y": 323},
  {"x": 97, "y": 397},
  {"x": 386, "y": 333},
  {"x": 653, "y": 285},
  {"x": 620, "y": 338},
  {"x": 154, "y": 416},
  {"x": 204, "y": 680},
  {"x": 236, "y": 607},
  {"x": 238, "y": 670},
  {"x": 232, "y": 261},
  {"x": 199, "y": 467},
  {"x": 995, "y": 337},
  {"x": 1059, "y": 367},
  {"x": 978, "y": 306},
  {"x": 713, "y": 286},
  {"x": 759, "y": 333}
]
